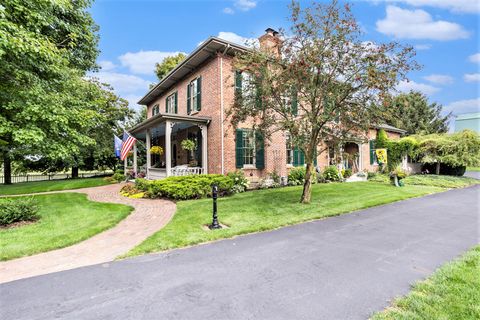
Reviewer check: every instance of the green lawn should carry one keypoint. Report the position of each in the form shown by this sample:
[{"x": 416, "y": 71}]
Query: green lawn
[
  {"x": 473, "y": 168},
  {"x": 65, "y": 219},
  {"x": 268, "y": 209},
  {"x": 440, "y": 181},
  {"x": 43, "y": 186},
  {"x": 452, "y": 292}
]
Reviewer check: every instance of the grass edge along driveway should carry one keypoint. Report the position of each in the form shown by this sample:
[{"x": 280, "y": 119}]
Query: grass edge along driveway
[
  {"x": 65, "y": 219},
  {"x": 269, "y": 209},
  {"x": 52, "y": 185},
  {"x": 452, "y": 292}
]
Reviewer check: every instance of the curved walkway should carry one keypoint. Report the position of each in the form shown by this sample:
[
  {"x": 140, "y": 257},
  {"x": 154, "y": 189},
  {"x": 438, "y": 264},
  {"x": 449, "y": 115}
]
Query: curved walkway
[{"x": 148, "y": 217}]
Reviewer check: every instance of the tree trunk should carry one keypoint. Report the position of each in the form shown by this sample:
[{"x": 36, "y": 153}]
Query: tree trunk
[
  {"x": 74, "y": 172},
  {"x": 307, "y": 186},
  {"x": 437, "y": 169},
  {"x": 7, "y": 168}
]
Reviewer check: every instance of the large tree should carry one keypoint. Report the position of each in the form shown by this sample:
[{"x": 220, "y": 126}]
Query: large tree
[
  {"x": 321, "y": 83},
  {"x": 167, "y": 64},
  {"x": 413, "y": 113},
  {"x": 46, "y": 48}
]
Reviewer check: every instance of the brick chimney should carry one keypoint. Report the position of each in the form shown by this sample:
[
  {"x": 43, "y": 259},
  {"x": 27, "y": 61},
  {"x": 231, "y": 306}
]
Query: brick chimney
[{"x": 270, "y": 41}]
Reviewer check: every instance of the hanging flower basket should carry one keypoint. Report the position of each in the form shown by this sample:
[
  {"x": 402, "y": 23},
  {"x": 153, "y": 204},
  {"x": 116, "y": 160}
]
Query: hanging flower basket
[{"x": 156, "y": 150}]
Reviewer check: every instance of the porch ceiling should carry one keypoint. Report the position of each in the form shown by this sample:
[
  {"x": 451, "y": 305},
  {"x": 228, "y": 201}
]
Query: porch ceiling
[{"x": 182, "y": 122}]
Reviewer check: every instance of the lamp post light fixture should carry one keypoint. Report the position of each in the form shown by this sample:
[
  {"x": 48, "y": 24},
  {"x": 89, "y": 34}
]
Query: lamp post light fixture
[{"x": 215, "y": 224}]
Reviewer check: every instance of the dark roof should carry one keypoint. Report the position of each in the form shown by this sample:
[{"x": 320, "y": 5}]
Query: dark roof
[
  {"x": 203, "y": 52},
  {"x": 390, "y": 128}
]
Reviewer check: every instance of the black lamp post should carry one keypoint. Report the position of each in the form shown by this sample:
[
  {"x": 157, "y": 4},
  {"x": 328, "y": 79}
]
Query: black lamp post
[{"x": 215, "y": 224}]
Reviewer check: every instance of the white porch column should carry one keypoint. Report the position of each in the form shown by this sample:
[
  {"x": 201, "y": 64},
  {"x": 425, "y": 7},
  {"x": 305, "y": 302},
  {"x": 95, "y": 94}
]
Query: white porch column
[
  {"x": 204, "y": 131},
  {"x": 148, "y": 145},
  {"x": 168, "y": 147},
  {"x": 135, "y": 157}
]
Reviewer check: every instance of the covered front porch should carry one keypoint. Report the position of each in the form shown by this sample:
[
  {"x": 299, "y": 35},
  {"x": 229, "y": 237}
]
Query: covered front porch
[
  {"x": 347, "y": 155},
  {"x": 164, "y": 136}
]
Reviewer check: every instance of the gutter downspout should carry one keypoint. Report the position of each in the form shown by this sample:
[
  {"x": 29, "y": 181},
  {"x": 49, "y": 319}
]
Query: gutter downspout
[{"x": 222, "y": 108}]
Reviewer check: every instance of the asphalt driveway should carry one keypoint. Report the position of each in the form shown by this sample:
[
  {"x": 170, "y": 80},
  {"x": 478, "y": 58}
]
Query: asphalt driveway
[{"x": 345, "y": 267}]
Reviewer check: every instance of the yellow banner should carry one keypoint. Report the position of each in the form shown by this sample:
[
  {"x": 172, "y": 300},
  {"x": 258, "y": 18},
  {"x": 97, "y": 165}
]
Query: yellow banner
[{"x": 381, "y": 155}]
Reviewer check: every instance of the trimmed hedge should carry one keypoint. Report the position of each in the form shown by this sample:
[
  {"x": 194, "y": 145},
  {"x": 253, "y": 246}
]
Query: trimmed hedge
[
  {"x": 17, "y": 210},
  {"x": 185, "y": 187}
]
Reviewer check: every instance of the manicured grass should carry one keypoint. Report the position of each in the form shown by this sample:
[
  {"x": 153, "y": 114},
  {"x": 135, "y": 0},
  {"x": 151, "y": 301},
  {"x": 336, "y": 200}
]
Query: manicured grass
[
  {"x": 440, "y": 181},
  {"x": 65, "y": 219},
  {"x": 473, "y": 169},
  {"x": 44, "y": 186},
  {"x": 269, "y": 209},
  {"x": 452, "y": 292}
]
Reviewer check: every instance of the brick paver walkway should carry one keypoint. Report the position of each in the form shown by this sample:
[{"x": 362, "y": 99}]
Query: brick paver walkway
[{"x": 148, "y": 217}]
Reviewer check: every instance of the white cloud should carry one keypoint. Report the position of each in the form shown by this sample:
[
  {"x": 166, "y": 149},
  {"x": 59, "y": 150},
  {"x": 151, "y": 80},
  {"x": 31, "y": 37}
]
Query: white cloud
[
  {"x": 475, "y": 58},
  {"x": 439, "y": 79},
  {"x": 467, "y": 6},
  {"x": 143, "y": 62},
  {"x": 106, "y": 65},
  {"x": 423, "y": 46},
  {"x": 132, "y": 101},
  {"x": 245, "y": 5},
  {"x": 123, "y": 84},
  {"x": 471, "y": 77},
  {"x": 235, "y": 38},
  {"x": 463, "y": 106},
  {"x": 406, "y": 86},
  {"x": 228, "y": 10},
  {"x": 418, "y": 24}
]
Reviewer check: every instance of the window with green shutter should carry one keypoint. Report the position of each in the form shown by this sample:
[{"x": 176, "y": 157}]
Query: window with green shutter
[
  {"x": 194, "y": 95},
  {"x": 249, "y": 149},
  {"x": 171, "y": 103},
  {"x": 372, "y": 151},
  {"x": 238, "y": 83},
  {"x": 155, "y": 109}
]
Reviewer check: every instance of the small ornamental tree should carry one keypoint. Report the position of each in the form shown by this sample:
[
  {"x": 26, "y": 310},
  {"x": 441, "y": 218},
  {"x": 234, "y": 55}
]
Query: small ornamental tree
[
  {"x": 320, "y": 84},
  {"x": 456, "y": 150}
]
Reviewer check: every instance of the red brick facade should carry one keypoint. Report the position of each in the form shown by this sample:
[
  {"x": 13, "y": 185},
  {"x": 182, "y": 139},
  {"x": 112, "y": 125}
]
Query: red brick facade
[{"x": 217, "y": 96}]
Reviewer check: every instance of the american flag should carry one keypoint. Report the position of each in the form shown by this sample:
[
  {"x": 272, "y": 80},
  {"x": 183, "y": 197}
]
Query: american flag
[{"x": 128, "y": 142}]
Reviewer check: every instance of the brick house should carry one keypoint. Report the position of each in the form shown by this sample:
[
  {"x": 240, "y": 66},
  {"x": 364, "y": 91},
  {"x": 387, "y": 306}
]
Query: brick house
[{"x": 191, "y": 102}]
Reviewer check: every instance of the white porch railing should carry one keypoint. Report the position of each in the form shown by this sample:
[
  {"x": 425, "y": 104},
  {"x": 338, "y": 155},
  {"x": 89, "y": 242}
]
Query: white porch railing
[
  {"x": 161, "y": 173},
  {"x": 185, "y": 171}
]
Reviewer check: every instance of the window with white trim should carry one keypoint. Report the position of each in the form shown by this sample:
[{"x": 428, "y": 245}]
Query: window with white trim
[
  {"x": 289, "y": 145},
  {"x": 171, "y": 103},
  {"x": 155, "y": 109},
  {"x": 248, "y": 147}
]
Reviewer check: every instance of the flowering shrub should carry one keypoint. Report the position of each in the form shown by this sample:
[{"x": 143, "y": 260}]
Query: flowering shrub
[
  {"x": 331, "y": 173},
  {"x": 240, "y": 183}
]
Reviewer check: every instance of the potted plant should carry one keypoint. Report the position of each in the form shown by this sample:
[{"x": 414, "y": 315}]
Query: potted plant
[
  {"x": 190, "y": 146},
  {"x": 396, "y": 175}
]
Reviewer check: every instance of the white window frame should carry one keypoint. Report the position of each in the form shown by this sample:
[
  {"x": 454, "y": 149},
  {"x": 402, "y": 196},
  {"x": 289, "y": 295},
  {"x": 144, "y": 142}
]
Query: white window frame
[
  {"x": 289, "y": 150},
  {"x": 250, "y": 148},
  {"x": 171, "y": 103},
  {"x": 155, "y": 107},
  {"x": 193, "y": 95}
]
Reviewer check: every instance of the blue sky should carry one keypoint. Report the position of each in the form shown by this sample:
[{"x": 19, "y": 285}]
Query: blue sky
[{"x": 136, "y": 34}]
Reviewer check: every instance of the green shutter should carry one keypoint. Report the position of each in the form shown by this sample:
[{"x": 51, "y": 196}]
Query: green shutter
[
  {"x": 199, "y": 93},
  {"x": 176, "y": 102},
  {"x": 166, "y": 105},
  {"x": 239, "y": 148},
  {"x": 260, "y": 153},
  {"x": 189, "y": 107},
  {"x": 294, "y": 102},
  {"x": 258, "y": 93},
  {"x": 372, "y": 151},
  {"x": 302, "y": 158},
  {"x": 295, "y": 156},
  {"x": 238, "y": 82}
]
